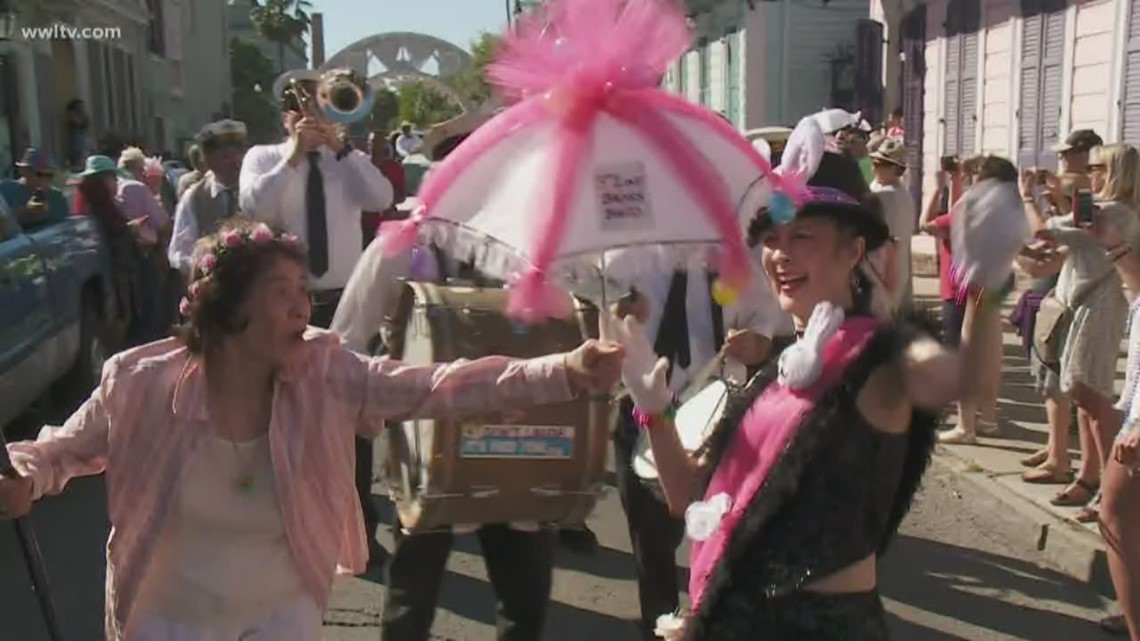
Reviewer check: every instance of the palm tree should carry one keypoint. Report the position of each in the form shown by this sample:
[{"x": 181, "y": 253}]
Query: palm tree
[{"x": 282, "y": 21}]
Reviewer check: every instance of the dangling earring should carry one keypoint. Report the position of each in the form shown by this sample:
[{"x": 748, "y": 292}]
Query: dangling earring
[{"x": 856, "y": 284}]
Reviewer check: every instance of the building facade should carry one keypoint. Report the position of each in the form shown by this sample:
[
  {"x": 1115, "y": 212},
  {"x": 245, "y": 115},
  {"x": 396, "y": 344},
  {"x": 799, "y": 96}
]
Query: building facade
[
  {"x": 777, "y": 62},
  {"x": 189, "y": 67},
  {"x": 132, "y": 64},
  {"x": 1009, "y": 77}
]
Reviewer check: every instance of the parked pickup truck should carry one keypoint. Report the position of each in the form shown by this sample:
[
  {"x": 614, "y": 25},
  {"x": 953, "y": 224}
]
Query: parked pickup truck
[{"x": 56, "y": 291}]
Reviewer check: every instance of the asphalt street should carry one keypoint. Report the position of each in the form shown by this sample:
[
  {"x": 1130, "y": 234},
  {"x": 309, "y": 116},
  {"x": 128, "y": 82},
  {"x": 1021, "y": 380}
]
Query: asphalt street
[{"x": 957, "y": 571}]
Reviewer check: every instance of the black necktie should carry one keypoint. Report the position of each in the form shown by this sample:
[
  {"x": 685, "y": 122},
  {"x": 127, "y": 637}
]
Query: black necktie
[
  {"x": 318, "y": 226},
  {"x": 231, "y": 201},
  {"x": 673, "y": 332}
]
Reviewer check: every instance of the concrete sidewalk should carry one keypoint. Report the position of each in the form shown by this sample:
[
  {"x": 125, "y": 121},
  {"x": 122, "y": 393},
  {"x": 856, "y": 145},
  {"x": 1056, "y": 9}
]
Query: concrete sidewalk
[{"x": 993, "y": 464}]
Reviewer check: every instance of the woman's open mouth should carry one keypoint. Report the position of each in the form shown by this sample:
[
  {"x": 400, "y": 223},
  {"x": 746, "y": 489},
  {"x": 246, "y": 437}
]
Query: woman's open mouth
[{"x": 787, "y": 284}]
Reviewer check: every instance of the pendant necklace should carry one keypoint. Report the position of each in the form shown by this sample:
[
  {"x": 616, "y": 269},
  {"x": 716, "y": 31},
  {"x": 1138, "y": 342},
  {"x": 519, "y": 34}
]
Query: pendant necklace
[{"x": 244, "y": 482}]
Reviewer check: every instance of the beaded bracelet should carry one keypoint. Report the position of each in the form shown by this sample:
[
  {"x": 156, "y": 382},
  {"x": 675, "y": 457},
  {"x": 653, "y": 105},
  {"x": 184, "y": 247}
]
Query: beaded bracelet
[{"x": 645, "y": 420}]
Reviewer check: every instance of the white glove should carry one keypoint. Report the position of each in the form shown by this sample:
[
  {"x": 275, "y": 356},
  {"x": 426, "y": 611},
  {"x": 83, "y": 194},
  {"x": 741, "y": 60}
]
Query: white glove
[
  {"x": 670, "y": 627},
  {"x": 802, "y": 363},
  {"x": 642, "y": 372},
  {"x": 987, "y": 232}
]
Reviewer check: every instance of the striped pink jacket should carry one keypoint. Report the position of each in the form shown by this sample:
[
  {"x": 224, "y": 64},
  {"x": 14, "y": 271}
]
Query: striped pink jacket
[{"x": 149, "y": 413}]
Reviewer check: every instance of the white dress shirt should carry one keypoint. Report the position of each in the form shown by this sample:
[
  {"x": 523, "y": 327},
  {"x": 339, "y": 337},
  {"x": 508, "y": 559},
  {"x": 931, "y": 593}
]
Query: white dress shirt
[
  {"x": 186, "y": 233},
  {"x": 273, "y": 192},
  {"x": 370, "y": 296},
  {"x": 755, "y": 308},
  {"x": 406, "y": 144}
]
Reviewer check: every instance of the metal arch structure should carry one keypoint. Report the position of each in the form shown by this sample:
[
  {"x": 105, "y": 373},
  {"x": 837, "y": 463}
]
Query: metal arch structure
[{"x": 403, "y": 57}]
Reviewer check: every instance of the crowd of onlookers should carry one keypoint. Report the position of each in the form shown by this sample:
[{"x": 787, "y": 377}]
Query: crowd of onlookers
[
  {"x": 1072, "y": 318},
  {"x": 136, "y": 199},
  {"x": 1080, "y": 303}
]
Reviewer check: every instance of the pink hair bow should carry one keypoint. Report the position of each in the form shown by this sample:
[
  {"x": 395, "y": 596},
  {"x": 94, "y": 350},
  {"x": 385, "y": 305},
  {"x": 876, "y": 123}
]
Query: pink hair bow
[{"x": 801, "y": 158}]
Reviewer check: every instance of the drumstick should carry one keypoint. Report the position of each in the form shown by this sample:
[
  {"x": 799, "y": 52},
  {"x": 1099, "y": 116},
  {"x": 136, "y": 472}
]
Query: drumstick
[{"x": 698, "y": 381}]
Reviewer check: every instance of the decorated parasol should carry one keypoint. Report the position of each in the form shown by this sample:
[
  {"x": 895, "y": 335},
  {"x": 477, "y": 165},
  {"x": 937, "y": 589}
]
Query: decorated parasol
[{"x": 591, "y": 157}]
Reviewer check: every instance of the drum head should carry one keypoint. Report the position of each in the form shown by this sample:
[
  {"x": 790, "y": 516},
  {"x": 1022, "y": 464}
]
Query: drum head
[{"x": 695, "y": 422}]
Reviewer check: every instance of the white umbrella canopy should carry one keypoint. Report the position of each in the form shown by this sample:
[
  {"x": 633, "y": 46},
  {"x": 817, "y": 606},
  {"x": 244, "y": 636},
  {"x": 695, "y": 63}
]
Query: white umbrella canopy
[
  {"x": 593, "y": 157},
  {"x": 626, "y": 195}
]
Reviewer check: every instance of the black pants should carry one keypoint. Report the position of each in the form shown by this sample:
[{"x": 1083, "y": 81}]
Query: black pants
[
  {"x": 953, "y": 316},
  {"x": 654, "y": 532},
  {"x": 322, "y": 317},
  {"x": 519, "y": 564}
]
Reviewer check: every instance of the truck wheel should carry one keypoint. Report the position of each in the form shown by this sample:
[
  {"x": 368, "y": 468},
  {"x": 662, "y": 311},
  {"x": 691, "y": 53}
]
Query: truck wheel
[{"x": 94, "y": 350}]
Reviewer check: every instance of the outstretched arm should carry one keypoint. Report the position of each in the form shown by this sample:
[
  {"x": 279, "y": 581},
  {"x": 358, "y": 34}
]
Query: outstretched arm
[{"x": 59, "y": 454}]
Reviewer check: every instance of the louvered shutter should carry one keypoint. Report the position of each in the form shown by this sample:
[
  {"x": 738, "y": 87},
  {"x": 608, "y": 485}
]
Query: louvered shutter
[
  {"x": 869, "y": 69},
  {"x": 1052, "y": 70},
  {"x": 951, "y": 95},
  {"x": 1028, "y": 112},
  {"x": 914, "y": 89},
  {"x": 968, "y": 94},
  {"x": 1130, "y": 109},
  {"x": 963, "y": 40}
]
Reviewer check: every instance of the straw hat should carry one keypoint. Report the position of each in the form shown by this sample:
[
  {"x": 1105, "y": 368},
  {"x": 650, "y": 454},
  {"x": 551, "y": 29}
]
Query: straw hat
[{"x": 891, "y": 151}]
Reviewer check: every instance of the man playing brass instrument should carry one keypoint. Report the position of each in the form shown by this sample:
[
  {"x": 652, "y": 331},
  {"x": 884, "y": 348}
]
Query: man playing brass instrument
[{"x": 316, "y": 186}]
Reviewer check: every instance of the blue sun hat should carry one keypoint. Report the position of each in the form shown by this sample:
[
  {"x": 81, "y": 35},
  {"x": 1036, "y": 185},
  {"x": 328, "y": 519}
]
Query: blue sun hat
[{"x": 97, "y": 164}]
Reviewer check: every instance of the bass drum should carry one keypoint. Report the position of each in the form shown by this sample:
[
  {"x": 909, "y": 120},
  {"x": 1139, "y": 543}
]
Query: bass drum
[{"x": 542, "y": 464}]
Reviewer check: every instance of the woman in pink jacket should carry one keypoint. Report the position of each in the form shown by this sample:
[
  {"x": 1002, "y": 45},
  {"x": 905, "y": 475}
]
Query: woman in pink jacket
[{"x": 228, "y": 449}]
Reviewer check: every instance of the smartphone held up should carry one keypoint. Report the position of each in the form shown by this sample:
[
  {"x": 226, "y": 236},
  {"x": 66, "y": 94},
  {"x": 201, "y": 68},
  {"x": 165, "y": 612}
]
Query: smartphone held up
[{"x": 1083, "y": 207}]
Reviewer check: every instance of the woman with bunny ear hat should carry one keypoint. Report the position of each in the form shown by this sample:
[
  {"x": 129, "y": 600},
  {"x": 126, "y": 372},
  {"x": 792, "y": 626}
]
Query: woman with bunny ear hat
[{"x": 815, "y": 463}]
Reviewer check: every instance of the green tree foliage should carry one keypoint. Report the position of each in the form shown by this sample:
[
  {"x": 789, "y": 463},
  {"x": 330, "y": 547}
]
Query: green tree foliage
[
  {"x": 252, "y": 76},
  {"x": 282, "y": 21},
  {"x": 425, "y": 105},
  {"x": 386, "y": 112},
  {"x": 471, "y": 83}
]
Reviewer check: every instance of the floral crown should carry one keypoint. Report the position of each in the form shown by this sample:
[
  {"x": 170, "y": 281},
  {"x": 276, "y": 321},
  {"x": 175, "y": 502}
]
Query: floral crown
[{"x": 227, "y": 242}]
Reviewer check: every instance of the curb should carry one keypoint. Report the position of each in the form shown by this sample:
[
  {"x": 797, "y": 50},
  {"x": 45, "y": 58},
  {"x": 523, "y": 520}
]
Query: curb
[{"x": 1062, "y": 545}]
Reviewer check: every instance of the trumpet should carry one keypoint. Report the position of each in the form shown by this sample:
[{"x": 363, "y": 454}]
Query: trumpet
[{"x": 341, "y": 96}]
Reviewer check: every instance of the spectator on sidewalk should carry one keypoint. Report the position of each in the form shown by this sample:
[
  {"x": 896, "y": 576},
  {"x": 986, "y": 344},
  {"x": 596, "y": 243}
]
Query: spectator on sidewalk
[
  {"x": 98, "y": 186},
  {"x": 1120, "y": 484},
  {"x": 207, "y": 203},
  {"x": 976, "y": 415},
  {"x": 889, "y": 159},
  {"x": 137, "y": 200},
  {"x": 197, "y": 171},
  {"x": 408, "y": 142},
  {"x": 1091, "y": 288},
  {"x": 1052, "y": 465},
  {"x": 32, "y": 197},
  {"x": 894, "y": 127},
  {"x": 381, "y": 154}
]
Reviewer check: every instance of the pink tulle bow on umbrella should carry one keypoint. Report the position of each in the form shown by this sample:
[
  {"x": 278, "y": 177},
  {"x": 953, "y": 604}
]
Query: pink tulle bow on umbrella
[{"x": 584, "y": 73}]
